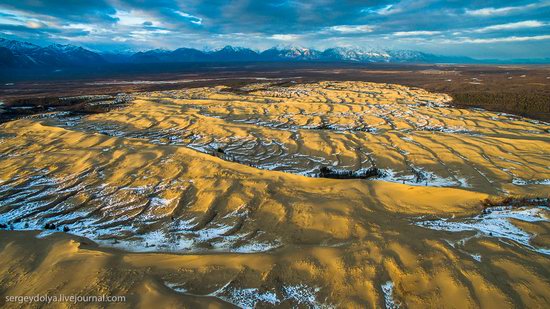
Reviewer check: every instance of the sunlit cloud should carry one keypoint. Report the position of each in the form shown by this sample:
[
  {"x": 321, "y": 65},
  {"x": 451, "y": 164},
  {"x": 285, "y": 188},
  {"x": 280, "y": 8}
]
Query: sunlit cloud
[
  {"x": 505, "y": 39},
  {"x": 34, "y": 25},
  {"x": 491, "y": 11},
  {"x": 20, "y": 18},
  {"x": 145, "y": 34},
  {"x": 193, "y": 19},
  {"x": 415, "y": 33},
  {"x": 385, "y": 10},
  {"x": 286, "y": 37},
  {"x": 134, "y": 18},
  {"x": 513, "y": 26},
  {"x": 352, "y": 28}
]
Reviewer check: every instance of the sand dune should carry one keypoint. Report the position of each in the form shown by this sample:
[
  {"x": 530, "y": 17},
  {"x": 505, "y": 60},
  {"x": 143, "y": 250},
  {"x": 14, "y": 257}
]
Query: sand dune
[{"x": 213, "y": 195}]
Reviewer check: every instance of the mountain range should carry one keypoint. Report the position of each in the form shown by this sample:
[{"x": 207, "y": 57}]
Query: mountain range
[
  {"x": 22, "y": 54},
  {"x": 17, "y": 54}
]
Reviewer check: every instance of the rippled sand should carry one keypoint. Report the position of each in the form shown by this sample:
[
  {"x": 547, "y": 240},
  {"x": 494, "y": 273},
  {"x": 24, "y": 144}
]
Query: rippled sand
[{"x": 220, "y": 186}]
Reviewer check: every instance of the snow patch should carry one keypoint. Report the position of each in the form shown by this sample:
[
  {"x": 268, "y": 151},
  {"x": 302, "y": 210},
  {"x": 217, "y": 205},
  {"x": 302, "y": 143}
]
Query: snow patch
[
  {"x": 300, "y": 294},
  {"x": 496, "y": 223},
  {"x": 387, "y": 290},
  {"x": 522, "y": 182}
]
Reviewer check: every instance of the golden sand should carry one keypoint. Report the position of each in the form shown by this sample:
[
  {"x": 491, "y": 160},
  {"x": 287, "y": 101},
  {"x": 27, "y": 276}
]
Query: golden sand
[{"x": 213, "y": 191}]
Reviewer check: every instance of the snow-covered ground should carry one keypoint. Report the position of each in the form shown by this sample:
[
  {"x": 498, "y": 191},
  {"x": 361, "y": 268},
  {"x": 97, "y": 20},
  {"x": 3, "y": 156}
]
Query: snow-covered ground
[
  {"x": 497, "y": 222},
  {"x": 299, "y": 294},
  {"x": 389, "y": 301}
]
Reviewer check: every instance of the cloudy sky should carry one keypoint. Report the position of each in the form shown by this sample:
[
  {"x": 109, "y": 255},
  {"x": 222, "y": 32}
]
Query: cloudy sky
[{"x": 482, "y": 29}]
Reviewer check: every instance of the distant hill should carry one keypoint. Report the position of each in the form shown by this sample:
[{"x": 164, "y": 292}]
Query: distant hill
[
  {"x": 17, "y": 54},
  {"x": 23, "y": 54}
]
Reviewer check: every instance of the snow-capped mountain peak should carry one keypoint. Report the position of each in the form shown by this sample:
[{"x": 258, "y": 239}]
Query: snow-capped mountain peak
[
  {"x": 64, "y": 48},
  {"x": 17, "y": 45},
  {"x": 23, "y": 54}
]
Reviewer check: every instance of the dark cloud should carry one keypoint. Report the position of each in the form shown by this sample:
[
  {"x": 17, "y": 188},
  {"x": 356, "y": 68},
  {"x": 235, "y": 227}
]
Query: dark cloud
[
  {"x": 472, "y": 28},
  {"x": 71, "y": 10}
]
